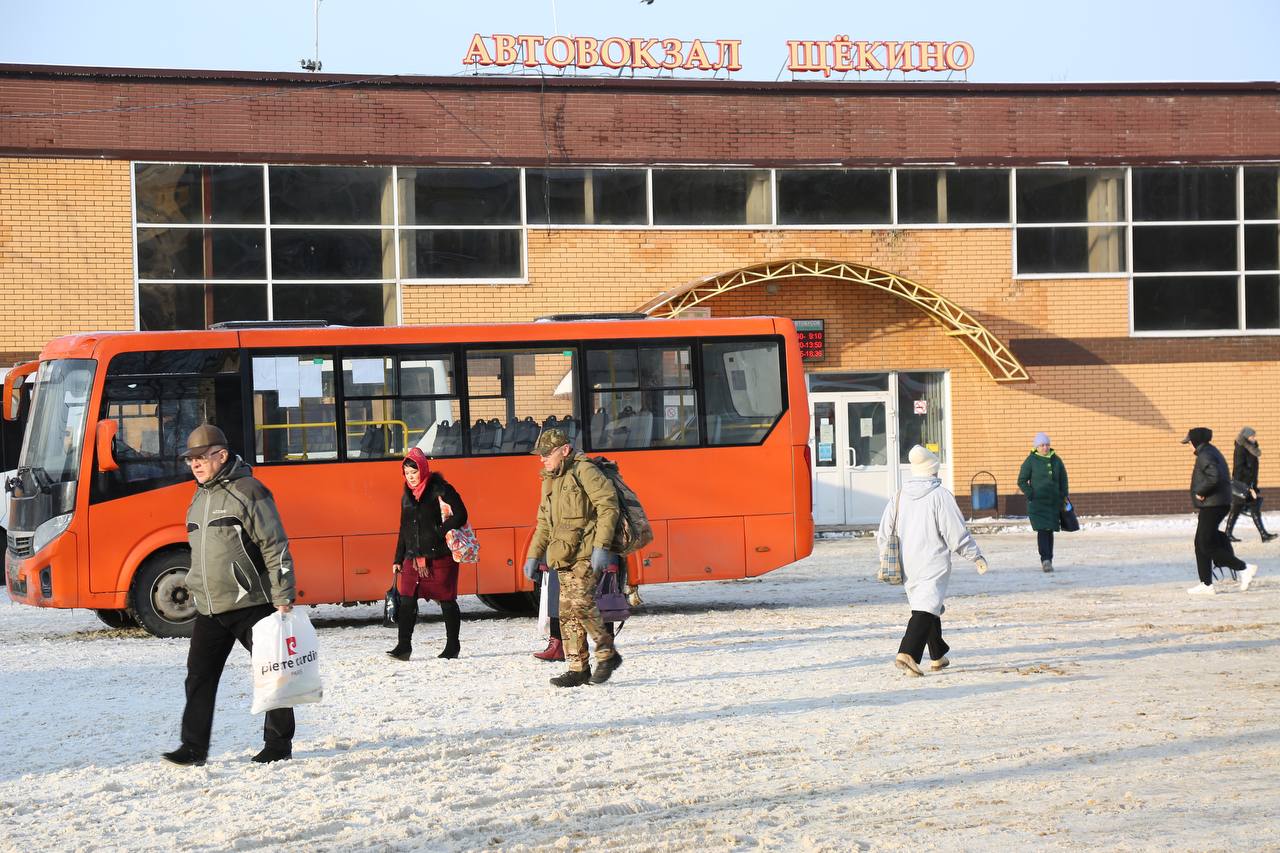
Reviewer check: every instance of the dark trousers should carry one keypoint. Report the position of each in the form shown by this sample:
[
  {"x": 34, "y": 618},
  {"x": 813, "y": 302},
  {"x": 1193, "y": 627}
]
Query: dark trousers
[
  {"x": 212, "y": 639},
  {"x": 1212, "y": 545},
  {"x": 1044, "y": 541},
  {"x": 923, "y": 628}
]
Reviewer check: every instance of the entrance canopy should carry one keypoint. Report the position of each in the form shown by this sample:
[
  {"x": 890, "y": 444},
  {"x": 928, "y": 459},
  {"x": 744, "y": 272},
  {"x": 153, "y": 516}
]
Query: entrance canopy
[{"x": 991, "y": 353}]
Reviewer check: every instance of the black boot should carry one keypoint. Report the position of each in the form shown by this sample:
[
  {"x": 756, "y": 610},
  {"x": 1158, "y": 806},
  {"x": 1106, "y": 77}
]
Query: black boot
[
  {"x": 1231, "y": 522},
  {"x": 1256, "y": 511},
  {"x": 406, "y": 619},
  {"x": 452, "y": 622},
  {"x": 573, "y": 678}
]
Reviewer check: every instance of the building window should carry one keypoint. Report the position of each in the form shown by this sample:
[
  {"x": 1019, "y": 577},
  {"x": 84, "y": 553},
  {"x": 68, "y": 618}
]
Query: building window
[
  {"x": 834, "y": 196},
  {"x": 586, "y": 196},
  {"x": 922, "y": 413},
  {"x": 459, "y": 224},
  {"x": 712, "y": 197},
  {"x": 1205, "y": 257},
  {"x": 953, "y": 196},
  {"x": 1070, "y": 221}
]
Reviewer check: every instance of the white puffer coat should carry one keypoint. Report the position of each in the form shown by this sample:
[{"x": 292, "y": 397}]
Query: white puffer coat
[{"x": 930, "y": 527}]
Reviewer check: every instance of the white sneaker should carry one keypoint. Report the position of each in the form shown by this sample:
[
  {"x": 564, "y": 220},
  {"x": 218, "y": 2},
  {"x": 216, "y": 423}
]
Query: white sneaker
[
  {"x": 1202, "y": 589},
  {"x": 1247, "y": 576}
]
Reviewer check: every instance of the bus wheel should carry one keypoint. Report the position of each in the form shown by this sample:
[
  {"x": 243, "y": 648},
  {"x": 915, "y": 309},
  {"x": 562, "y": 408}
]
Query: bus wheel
[
  {"x": 159, "y": 600},
  {"x": 521, "y": 603},
  {"x": 116, "y": 618}
]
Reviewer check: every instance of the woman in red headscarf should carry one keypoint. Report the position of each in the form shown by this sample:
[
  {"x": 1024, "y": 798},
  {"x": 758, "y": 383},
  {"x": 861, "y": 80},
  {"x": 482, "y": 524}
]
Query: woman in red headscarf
[{"x": 424, "y": 567}]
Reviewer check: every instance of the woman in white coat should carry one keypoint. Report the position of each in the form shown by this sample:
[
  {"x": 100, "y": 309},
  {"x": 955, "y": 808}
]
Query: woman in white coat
[{"x": 930, "y": 527}]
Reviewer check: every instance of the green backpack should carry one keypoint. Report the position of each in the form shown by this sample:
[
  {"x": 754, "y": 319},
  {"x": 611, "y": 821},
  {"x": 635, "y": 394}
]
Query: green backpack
[{"x": 634, "y": 530}]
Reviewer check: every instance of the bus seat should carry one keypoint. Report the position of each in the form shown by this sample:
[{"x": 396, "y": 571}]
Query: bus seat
[
  {"x": 641, "y": 434},
  {"x": 373, "y": 442},
  {"x": 599, "y": 420},
  {"x": 524, "y": 435},
  {"x": 570, "y": 426},
  {"x": 446, "y": 440}
]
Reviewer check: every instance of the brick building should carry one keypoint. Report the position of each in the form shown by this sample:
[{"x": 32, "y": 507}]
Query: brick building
[{"x": 1101, "y": 262}]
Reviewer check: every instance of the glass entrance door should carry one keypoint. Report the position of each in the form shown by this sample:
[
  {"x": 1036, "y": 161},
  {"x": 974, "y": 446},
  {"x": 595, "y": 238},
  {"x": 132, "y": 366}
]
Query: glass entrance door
[{"x": 854, "y": 446}]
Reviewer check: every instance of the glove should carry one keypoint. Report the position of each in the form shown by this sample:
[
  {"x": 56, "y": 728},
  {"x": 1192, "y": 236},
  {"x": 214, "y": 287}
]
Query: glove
[
  {"x": 982, "y": 565},
  {"x": 599, "y": 560},
  {"x": 531, "y": 568}
]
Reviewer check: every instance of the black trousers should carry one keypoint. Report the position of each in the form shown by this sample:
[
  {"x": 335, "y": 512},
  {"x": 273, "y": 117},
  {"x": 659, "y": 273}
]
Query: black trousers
[
  {"x": 1044, "y": 541},
  {"x": 212, "y": 639},
  {"x": 923, "y": 628},
  {"x": 1212, "y": 545}
]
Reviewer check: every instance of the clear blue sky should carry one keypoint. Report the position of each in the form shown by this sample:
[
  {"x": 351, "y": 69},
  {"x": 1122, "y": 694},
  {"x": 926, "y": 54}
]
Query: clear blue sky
[{"x": 1031, "y": 40}]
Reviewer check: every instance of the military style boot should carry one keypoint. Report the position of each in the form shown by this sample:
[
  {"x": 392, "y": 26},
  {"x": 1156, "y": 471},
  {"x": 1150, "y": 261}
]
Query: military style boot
[
  {"x": 452, "y": 622},
  {"x": 573, "y": 678}
]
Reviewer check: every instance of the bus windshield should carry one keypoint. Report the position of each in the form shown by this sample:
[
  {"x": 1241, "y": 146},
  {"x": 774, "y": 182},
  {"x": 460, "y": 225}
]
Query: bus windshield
[{"x": 50, "y": 458}]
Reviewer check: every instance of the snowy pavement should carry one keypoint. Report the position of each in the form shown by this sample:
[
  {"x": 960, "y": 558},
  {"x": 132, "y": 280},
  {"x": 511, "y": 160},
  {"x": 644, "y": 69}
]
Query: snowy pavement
[{"x": 1097, "y": 707}]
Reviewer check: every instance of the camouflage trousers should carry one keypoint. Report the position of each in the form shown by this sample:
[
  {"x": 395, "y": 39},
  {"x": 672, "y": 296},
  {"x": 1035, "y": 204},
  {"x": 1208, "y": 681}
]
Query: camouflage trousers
[{"x": 579, "y": 616}]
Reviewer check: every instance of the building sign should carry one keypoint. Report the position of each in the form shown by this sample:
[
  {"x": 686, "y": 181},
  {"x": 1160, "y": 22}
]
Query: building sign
[
  {"x": 840, "y": 55},
  {"x": 920, "y": 407},
  {"x": 614, "y": 53},
  {"x": 813, "y": 345}
]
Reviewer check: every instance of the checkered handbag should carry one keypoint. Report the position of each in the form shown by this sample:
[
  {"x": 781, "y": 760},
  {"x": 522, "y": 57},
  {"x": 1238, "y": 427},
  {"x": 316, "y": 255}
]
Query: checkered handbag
[{"x": 891, "y": 558}]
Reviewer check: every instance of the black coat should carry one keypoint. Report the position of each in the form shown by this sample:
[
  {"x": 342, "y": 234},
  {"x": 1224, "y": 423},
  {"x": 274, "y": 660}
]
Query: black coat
[
  {"x": 1209, "y": 478},
  {"x": 1244, "y": 467},
  {"x": 421, "y": 528}
]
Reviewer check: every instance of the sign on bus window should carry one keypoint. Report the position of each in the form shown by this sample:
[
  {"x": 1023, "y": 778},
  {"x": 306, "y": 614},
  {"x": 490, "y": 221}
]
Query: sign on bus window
[{"x": 294, "y": 415}]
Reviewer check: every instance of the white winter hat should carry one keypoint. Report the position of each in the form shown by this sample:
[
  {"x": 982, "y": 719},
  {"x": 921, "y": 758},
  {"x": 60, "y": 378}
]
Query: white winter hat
[{"x": 923, "y": 462}]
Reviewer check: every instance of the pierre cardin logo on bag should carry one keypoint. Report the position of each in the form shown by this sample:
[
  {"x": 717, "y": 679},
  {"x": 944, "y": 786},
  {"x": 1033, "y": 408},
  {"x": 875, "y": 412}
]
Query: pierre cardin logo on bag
[{"x": 291, "y": 645}]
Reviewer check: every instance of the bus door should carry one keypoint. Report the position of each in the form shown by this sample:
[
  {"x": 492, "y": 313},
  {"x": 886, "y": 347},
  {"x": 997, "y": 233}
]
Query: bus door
[{"x": 854, "y": 449}]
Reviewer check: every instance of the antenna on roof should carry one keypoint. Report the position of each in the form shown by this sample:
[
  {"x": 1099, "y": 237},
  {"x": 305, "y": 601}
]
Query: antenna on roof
[{"x": 314, "y": 64}]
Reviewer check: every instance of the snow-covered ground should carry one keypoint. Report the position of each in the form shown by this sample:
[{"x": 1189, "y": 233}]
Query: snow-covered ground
[{"x": 1097, "y": 707}]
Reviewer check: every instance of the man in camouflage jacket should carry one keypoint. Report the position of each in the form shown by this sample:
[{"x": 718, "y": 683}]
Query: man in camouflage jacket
[{"x": 577, "y": 517}]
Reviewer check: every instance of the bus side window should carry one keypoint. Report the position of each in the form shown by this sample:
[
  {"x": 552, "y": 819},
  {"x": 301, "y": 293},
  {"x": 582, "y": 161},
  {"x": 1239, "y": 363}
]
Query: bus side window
[
  {"x": 514, "y": 394},
  {"x": 642, "y": 396},
  {"x": 743, "y": 383}
]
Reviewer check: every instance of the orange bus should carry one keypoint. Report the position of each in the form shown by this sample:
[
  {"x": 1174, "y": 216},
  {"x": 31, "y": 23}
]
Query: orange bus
[{"x": 708, "y": 420}]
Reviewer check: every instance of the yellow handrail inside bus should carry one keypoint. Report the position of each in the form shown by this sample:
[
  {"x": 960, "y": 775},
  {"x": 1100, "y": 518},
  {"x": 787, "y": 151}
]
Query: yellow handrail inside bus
[{"x": 404, "y": 427}]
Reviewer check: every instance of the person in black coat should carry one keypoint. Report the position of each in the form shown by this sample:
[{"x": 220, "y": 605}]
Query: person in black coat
[
  {"x": 1211, "y": 496},
  {"x": 424, "y": 566},
  {"x": 1244, "y": 484}
]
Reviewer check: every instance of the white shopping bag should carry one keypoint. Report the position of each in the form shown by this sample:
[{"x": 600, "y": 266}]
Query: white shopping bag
[
  {"x": 544, "y": 618},
  {"x": 286, "y": 662}
]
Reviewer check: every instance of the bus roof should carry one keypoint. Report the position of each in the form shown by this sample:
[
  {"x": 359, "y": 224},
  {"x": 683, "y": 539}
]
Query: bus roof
[{"x": 106, "y": 344}]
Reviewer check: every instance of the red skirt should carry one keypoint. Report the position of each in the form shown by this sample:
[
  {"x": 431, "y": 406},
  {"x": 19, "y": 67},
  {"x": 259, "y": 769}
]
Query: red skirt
[{"x": 435, "y": 579}]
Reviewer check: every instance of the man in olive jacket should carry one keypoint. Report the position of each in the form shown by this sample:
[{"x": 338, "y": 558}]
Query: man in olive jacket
[
  {"x": 241, "y": 572},
  {"x": 1211, "y": 496},
  {"x": 577, "y": 517}
]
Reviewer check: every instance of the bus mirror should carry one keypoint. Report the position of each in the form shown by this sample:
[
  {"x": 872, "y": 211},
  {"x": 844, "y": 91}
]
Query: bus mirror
[
  {"x": 14, "y": 389},
  {"x": 106, "y": 436}
]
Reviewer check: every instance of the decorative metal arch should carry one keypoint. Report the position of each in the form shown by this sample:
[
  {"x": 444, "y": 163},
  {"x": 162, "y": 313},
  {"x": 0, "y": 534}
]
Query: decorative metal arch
[{"x": 989, "y": 350}]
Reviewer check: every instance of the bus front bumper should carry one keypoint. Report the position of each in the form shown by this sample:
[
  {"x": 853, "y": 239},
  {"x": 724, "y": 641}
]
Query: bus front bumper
[{"x": 45, "y": 579}]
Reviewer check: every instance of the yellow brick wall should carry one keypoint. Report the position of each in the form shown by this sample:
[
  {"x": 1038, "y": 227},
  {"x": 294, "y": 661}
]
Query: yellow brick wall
[
  {"x": 66, "y": 266},
  {"x": 66, "y": 255}
]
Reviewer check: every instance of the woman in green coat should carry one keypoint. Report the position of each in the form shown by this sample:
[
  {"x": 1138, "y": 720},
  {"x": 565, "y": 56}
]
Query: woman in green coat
[{"x": 1043, "y": 479}]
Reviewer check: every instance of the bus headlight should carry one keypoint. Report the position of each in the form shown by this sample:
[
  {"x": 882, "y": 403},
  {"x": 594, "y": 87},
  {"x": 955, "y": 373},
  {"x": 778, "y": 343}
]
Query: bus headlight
[{"x": 49, "y": 531}]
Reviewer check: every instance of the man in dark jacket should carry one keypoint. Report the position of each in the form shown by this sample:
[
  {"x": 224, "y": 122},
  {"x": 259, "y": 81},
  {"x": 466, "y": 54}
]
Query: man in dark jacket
[
  {"x": 241, "y": 572},
  {"x": 1211, "y": 496}
]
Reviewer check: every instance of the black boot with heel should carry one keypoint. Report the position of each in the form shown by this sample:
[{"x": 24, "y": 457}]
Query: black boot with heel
[
  {"x": 406, "y": 619},
  {"x": 452, "y": 623}
]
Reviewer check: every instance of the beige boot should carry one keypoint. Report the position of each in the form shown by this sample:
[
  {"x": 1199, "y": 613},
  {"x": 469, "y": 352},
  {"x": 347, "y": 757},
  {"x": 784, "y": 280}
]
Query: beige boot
[{"x": 908, "y": 665}]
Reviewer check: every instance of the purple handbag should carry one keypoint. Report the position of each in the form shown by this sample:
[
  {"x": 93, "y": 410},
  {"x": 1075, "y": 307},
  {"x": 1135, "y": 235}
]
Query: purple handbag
[{"x": 610, "y": 599}]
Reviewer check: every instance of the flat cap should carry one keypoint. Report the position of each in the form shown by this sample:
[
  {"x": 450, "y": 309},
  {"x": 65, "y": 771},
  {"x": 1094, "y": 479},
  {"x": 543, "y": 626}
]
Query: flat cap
[{"x": 202, "y": 438}]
